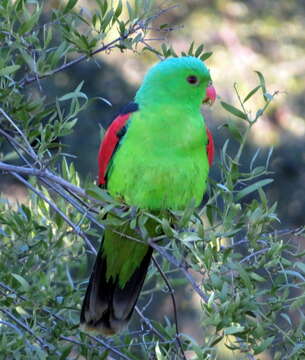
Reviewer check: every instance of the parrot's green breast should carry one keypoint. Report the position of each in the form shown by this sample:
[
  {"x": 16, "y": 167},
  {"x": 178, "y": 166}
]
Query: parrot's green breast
[{"x": 161, "y": 162}]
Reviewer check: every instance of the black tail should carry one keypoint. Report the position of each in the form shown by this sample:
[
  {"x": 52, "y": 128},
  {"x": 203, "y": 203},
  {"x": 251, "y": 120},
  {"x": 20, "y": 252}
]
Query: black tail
[{"x": 106, "y": 307}]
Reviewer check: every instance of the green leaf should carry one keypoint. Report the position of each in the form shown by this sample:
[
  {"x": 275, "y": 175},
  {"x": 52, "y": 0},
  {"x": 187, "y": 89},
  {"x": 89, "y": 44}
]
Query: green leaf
[
  {"x": 69, "y": 125},
  {"x": 172, "y": 52},
  {"x": 65, "y": 168},
  {"x": 262, "y": 83},
  {"x": 119, "y": 9},
  {"x": 233, "y": 330},
  {"x": 257, "y": 277},
  {"x": 107, "y": 19},
  {"x": 66, "y": 352},
  {"x": 73, "y": 95},
  {"x": 103, "y": 4},
  {"x": 24, "y": 284},
  {"x": 159, "y": 354},
  {"x": 70, "y": 5},
  {"x": 9, "y": 69},
  {"x": 99, "y": 194},
  {"x": 233, "y": 110},
  {"x": 216, "y": 340},
  {"x": 251, "y": 93},
  {"x": 211, "y": 300},
  {"x": 263, "y": 345},
  {"x": 234, "y": 131},
  {"x": 254, "y": 187},
  {"x": 131, "y": 12},
  {"x": 27, "y": 26},
  {"x": 29, "y": 60},
  {"x": 164, "y": 49},
  {"x": 168, "y": 231},
  {"x": 206, "y": 55},
  {"x": 199, "y": 50},
  {"x": 223, "y": 187},
  {"x": 293, "y": 273},
  {"x": 190, "y": 51},
  {"x": 243, "y": 275},
  {"x": 300, "y": 265},
  {"x": 61, "y": 51}
]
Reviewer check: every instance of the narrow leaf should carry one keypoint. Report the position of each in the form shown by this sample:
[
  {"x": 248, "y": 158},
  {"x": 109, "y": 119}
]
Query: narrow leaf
[
  {"x": 233, "y": 110},
  {"x": 251, "y": 93},
  {"x": 199, "y": 50},
  {"x": 73, "y": 95},
  {"x": 206, "y": 55},
  {"x": 251, "y": 188},
  {"x": 262, "y": 83},
  {"x": 70, "y": 5},
  {"x": 293, "y": 273},
  {"x": 119, "y": 9},
  {"x": 264, "y": 345},
  {"x": 24, "y": 284},
  {"x": 300, "y": 265},
  {"x": 9, "y": 69},
  {"x": 233, "y": 330},
  {"x": 190, "y": 52}
]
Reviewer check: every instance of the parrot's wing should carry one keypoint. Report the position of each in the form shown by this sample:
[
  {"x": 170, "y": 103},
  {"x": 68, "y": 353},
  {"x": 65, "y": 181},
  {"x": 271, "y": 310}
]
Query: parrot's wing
[
  {"x": 210, "y": 147},
  {"x": 111, "y": 141}
]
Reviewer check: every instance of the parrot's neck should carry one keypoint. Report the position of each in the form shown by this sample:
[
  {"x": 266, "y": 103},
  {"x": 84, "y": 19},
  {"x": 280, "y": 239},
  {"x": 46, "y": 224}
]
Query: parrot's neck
[
  {"x": 167, "y": 126},
  {"x": 147, "y": 97}
]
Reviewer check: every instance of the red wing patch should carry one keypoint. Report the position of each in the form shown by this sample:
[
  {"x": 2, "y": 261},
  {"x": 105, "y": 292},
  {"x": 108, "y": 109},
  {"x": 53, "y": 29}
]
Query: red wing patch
[
  {"x": 210, "y": 147},
  {"x": 108, "y": 146}
]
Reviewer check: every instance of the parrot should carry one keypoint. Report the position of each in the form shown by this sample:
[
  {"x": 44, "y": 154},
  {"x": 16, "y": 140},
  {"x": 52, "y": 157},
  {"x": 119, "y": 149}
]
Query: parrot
[{"x": 155, "y": 155}]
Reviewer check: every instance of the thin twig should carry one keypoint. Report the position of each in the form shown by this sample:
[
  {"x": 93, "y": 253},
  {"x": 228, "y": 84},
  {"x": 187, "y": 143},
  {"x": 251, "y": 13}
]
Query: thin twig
[
  {"x": 258, "y": 252},
  {"x": 148, "y": 323},
  {"x": 27, "y": 81},
  {"x": 171, "y": 291},
  {"x": 7, "y": 117},
  {"x": 176, "y": 263},
  {"x": 45, "y": 173},
  {"x": 108, "y": 346}
]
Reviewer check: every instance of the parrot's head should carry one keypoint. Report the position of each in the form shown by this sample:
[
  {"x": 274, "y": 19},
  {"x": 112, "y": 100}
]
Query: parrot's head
[{"x": 184, "y": 80}]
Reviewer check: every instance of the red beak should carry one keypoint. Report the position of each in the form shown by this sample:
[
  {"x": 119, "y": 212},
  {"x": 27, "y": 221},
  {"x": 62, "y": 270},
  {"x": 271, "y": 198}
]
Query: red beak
[{"x": 210, "y": 95}]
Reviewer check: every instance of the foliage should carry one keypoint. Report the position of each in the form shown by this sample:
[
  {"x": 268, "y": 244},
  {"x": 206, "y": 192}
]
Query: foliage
[{"x": 251, "y": 278}]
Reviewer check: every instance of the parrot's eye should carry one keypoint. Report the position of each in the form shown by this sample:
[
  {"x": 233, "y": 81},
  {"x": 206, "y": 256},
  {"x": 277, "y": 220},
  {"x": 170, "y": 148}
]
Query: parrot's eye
[{"x": 192, "y": 79}]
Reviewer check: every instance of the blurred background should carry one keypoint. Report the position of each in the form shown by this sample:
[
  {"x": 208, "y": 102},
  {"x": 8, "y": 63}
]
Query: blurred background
[{"x": 244, "y": 36}]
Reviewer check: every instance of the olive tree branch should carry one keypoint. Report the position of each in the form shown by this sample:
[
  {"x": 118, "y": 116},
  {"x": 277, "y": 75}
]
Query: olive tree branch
[{"x": 140, "y": 25}]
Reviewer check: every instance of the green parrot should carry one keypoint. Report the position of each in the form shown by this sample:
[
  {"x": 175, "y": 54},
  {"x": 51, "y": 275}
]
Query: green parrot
[{"x": 155, "y": 155}]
